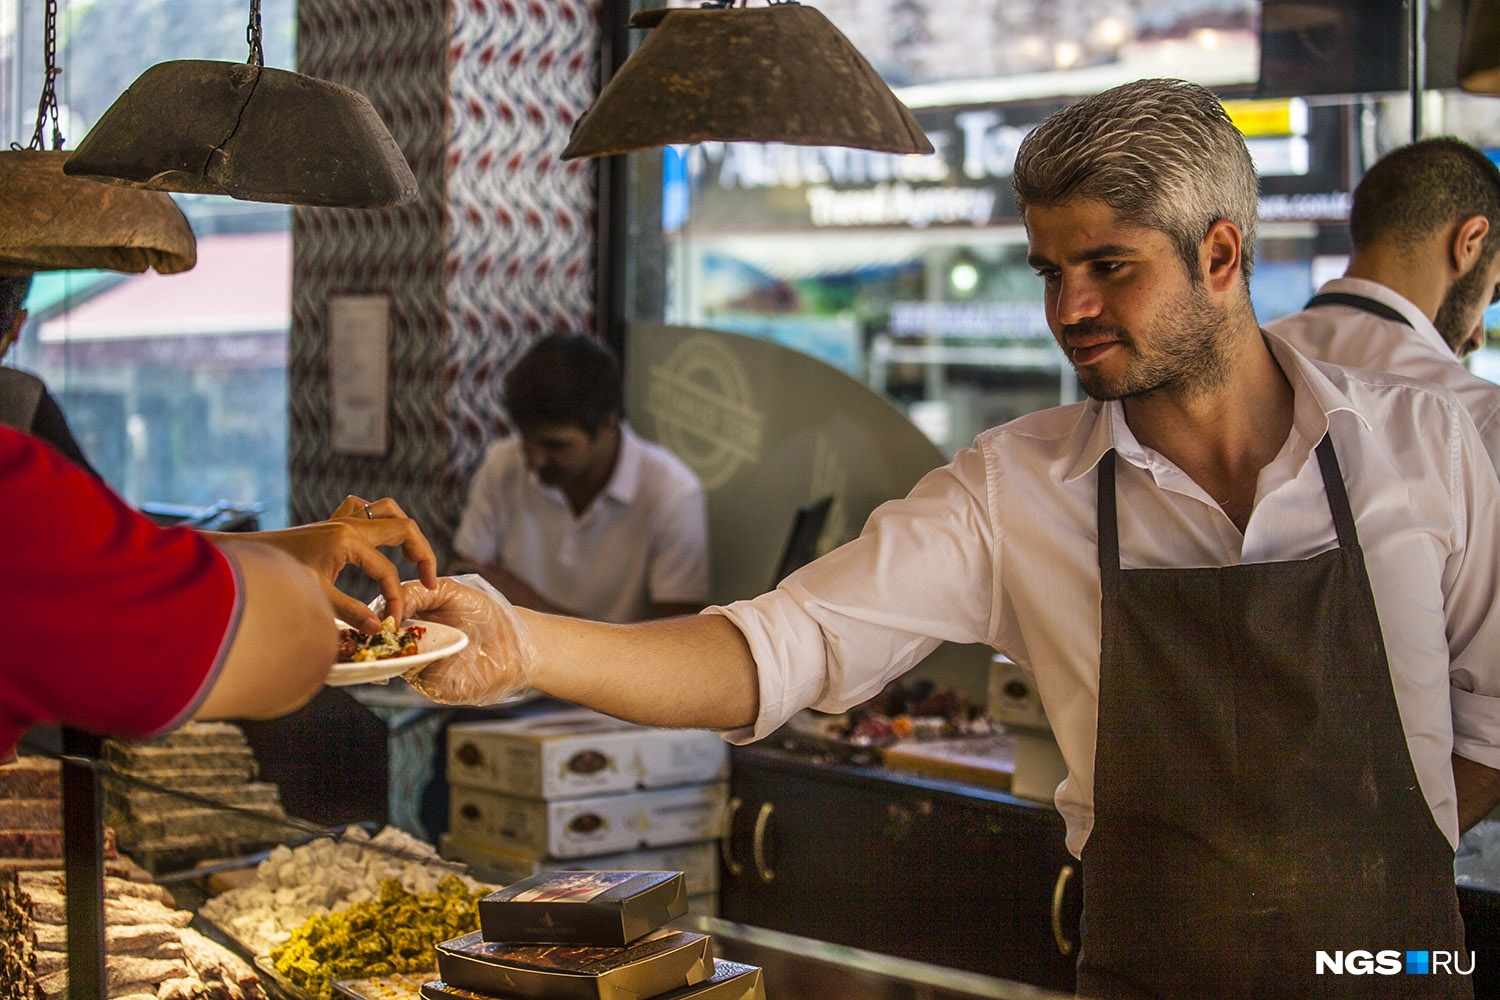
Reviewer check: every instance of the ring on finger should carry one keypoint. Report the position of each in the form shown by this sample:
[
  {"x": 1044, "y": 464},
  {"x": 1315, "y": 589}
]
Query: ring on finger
[{"x": 369, "y": 513}]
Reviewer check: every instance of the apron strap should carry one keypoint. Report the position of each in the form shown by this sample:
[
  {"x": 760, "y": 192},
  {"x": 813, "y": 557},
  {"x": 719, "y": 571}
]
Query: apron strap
[
  {"x": 1338, "y": 497},
  {"x": 1360, "y": 302},
  {"x": 1107, "y": 522}
]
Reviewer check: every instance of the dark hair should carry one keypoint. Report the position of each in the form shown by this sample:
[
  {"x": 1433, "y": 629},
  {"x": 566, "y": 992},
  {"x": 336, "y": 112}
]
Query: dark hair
[
  {"x": 1413, "y": 191},
  {"x": 566, "y": 379},
  {"x": 13, "y": 290}
]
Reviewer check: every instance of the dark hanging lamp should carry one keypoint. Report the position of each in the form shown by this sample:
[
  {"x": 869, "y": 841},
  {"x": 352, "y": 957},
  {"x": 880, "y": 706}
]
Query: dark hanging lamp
[
  {"x": 782, "y": 73},
  {"x": 1479, "y": 49},
  {"x": 243, "y": 130},
  {"x": 52, "y": 222}
]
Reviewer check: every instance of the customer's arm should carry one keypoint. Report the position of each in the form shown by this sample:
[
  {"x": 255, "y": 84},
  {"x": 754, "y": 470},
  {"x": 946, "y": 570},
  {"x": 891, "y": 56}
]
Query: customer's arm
[{"x": 284, "y": 642}]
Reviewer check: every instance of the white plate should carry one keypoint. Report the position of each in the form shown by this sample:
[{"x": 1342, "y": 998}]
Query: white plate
[{"x": 437, "y": 642}]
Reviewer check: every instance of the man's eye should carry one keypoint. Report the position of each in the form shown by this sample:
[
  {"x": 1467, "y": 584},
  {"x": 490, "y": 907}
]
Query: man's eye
[{"x": 1108, "y": 266}]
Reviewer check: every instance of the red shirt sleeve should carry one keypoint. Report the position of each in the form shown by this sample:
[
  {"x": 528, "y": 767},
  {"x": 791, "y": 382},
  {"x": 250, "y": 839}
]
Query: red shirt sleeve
[{"x": 114, "y": 624}]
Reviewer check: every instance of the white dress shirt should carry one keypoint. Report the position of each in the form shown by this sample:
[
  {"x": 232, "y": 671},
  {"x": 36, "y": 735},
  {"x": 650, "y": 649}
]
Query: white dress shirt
[
  {"x": 644, "y": 539},
  {"x": 1000, "y": 547},
  {"x": 1347, "y": 335}
]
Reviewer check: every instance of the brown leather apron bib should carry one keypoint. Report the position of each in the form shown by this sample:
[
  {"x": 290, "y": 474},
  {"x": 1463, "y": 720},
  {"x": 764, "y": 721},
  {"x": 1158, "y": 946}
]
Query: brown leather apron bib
[{"x": 1254, "y": 799}]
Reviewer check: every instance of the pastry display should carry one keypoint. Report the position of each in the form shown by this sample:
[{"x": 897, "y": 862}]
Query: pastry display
[{"x": 167, "y": 806}]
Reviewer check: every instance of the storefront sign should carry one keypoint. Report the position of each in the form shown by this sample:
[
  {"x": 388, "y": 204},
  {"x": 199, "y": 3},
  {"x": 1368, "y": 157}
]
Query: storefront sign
[{"x": 745, "y": 187}]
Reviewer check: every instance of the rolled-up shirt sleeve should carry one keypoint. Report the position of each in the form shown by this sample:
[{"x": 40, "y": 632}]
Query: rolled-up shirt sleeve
[
  {"x": 1472, "y": 600},
  {"x": 835, "y": 632}
]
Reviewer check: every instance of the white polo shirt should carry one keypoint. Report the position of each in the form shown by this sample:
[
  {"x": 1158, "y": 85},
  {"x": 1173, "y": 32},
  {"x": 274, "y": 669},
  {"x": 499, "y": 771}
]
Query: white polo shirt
[
  {"x": 1000, "y": 547},
  {"x": 643, "y": 540}
]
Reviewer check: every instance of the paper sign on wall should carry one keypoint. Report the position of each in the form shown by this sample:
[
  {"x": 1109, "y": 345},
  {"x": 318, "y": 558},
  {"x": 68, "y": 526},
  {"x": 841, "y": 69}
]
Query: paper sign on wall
[{"x": 358, "y": 341}]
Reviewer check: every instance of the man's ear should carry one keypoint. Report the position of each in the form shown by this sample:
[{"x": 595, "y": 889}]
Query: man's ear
[
  {"x": 1220, "y": 255},
  {"x": 1467, "y": 244}
]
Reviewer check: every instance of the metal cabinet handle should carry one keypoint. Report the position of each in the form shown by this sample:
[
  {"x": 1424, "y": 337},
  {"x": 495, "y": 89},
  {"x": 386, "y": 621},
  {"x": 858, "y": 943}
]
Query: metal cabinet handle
[
  {"x": 1064, "y": 946},
  {"x": 726, "y": 848},
  {"x": 758, "y": 845}
]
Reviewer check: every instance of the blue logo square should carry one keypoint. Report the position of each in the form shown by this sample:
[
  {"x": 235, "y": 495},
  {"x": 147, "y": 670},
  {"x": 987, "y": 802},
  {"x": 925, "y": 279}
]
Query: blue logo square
[{"x": 1417, "y": 963}]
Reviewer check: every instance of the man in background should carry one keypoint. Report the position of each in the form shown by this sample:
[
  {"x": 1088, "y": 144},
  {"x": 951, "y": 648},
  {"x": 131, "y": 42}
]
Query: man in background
[
  {"x": 1425, "y": 227},
  {"x": 575, "y": 514},
  {"x": 25, "y": 402}
]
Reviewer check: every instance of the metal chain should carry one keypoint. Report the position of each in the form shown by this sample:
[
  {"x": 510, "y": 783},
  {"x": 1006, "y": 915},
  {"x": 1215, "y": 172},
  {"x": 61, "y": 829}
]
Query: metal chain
[
  {"x": 252, "y": 35},
  {"x": 47, "y": 106}
]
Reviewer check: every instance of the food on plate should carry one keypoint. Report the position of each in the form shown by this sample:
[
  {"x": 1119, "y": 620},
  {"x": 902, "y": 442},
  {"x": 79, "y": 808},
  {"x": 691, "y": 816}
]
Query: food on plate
[{"x": 356, "y": 647}]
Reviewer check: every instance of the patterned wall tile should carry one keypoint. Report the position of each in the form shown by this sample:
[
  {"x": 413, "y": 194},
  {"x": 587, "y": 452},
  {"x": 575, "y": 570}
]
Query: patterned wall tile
[
  {"x": 480, "y": 96},
  {"x": 520, "y": 243}
]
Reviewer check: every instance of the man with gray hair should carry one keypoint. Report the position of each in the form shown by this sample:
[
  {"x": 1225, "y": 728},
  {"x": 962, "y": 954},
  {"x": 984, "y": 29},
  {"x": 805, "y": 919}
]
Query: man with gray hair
[{"x": 1258, "y": 595}]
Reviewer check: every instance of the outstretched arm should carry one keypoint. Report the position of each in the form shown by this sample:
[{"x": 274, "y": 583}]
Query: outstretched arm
[
  {"x": 284, "y": 643},
  {"x": 691, "y": 671},
  {"x": 688, "y": 671}
]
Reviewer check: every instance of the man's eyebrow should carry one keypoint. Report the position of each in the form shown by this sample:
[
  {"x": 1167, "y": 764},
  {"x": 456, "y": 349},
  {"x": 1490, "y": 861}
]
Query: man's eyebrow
[{"x": 1105, "y": 251}]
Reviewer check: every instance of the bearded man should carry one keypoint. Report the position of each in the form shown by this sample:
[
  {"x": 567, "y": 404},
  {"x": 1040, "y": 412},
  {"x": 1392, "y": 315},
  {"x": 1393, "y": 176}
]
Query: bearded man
[{"x": 1425, "y": 229}]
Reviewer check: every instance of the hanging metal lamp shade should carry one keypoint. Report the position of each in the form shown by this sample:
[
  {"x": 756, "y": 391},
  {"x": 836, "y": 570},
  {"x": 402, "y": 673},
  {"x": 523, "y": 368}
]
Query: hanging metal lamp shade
[
  {"x": 52, "y": 222},
  {"x": 247, "y": 131},
  {"x": 782, "y": 73},
  {"x": 1479, "y": 51}
]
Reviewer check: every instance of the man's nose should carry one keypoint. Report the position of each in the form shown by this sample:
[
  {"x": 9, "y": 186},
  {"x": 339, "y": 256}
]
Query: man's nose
[{"x": 1076, "y": 299}]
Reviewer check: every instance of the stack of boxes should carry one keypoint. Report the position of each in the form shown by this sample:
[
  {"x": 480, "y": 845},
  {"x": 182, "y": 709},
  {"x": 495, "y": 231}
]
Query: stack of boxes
[
  {"x": 577, "y": 790},
  {"x": 588, "y": 935}
]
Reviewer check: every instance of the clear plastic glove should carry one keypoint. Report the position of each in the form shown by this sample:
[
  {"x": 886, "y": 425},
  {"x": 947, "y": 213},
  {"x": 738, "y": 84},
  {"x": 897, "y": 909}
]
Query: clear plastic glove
[{"x": 501, "y": 658}]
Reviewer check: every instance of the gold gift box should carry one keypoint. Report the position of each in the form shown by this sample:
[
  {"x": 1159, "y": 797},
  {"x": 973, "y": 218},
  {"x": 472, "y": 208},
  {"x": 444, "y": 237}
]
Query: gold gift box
[
  {"x": 611, "y": 908},
  {"x": 660, "y": 962},
  {"x": 730, "y": 981}
]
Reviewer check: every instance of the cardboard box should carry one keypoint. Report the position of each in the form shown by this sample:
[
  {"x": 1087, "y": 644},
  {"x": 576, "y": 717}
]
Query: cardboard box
[
  {"x": 698, "y": 862},
  {"x": 1040, "y": 767},
  {"x": 577, "y": 752},
  {"x": 600, "y": 824},
  {"x": 730, "y": 981},
  {"x": 662, "y": 961},
  {"x": 582, "y": 907}
]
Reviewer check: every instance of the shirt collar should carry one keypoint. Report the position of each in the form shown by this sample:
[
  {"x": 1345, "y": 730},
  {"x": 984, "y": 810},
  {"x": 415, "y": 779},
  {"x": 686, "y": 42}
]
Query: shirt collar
[
  {"x": 1315, "y": 397},
  {"x": 625, "y": 481},
  {"x": 1377, "y": 292}
]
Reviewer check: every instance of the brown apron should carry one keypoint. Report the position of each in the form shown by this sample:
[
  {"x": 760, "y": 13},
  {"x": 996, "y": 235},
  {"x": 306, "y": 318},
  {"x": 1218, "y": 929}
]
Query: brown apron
[{"x": 1254, "y": 799}]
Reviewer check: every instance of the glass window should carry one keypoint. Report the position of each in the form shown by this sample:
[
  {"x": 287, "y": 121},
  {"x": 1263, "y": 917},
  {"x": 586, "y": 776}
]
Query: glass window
[
  {"x": 910, "y": 272},
  {"x": 174, "y": 386}
]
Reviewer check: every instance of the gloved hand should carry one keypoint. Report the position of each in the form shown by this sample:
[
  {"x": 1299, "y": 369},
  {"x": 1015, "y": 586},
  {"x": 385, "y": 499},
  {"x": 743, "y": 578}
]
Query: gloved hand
[{"x": 501, "y": 658}]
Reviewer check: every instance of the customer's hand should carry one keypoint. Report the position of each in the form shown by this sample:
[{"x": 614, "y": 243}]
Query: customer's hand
[
  {"x": 354, "y": 535},
  {"x": 500, "y": 660}
]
